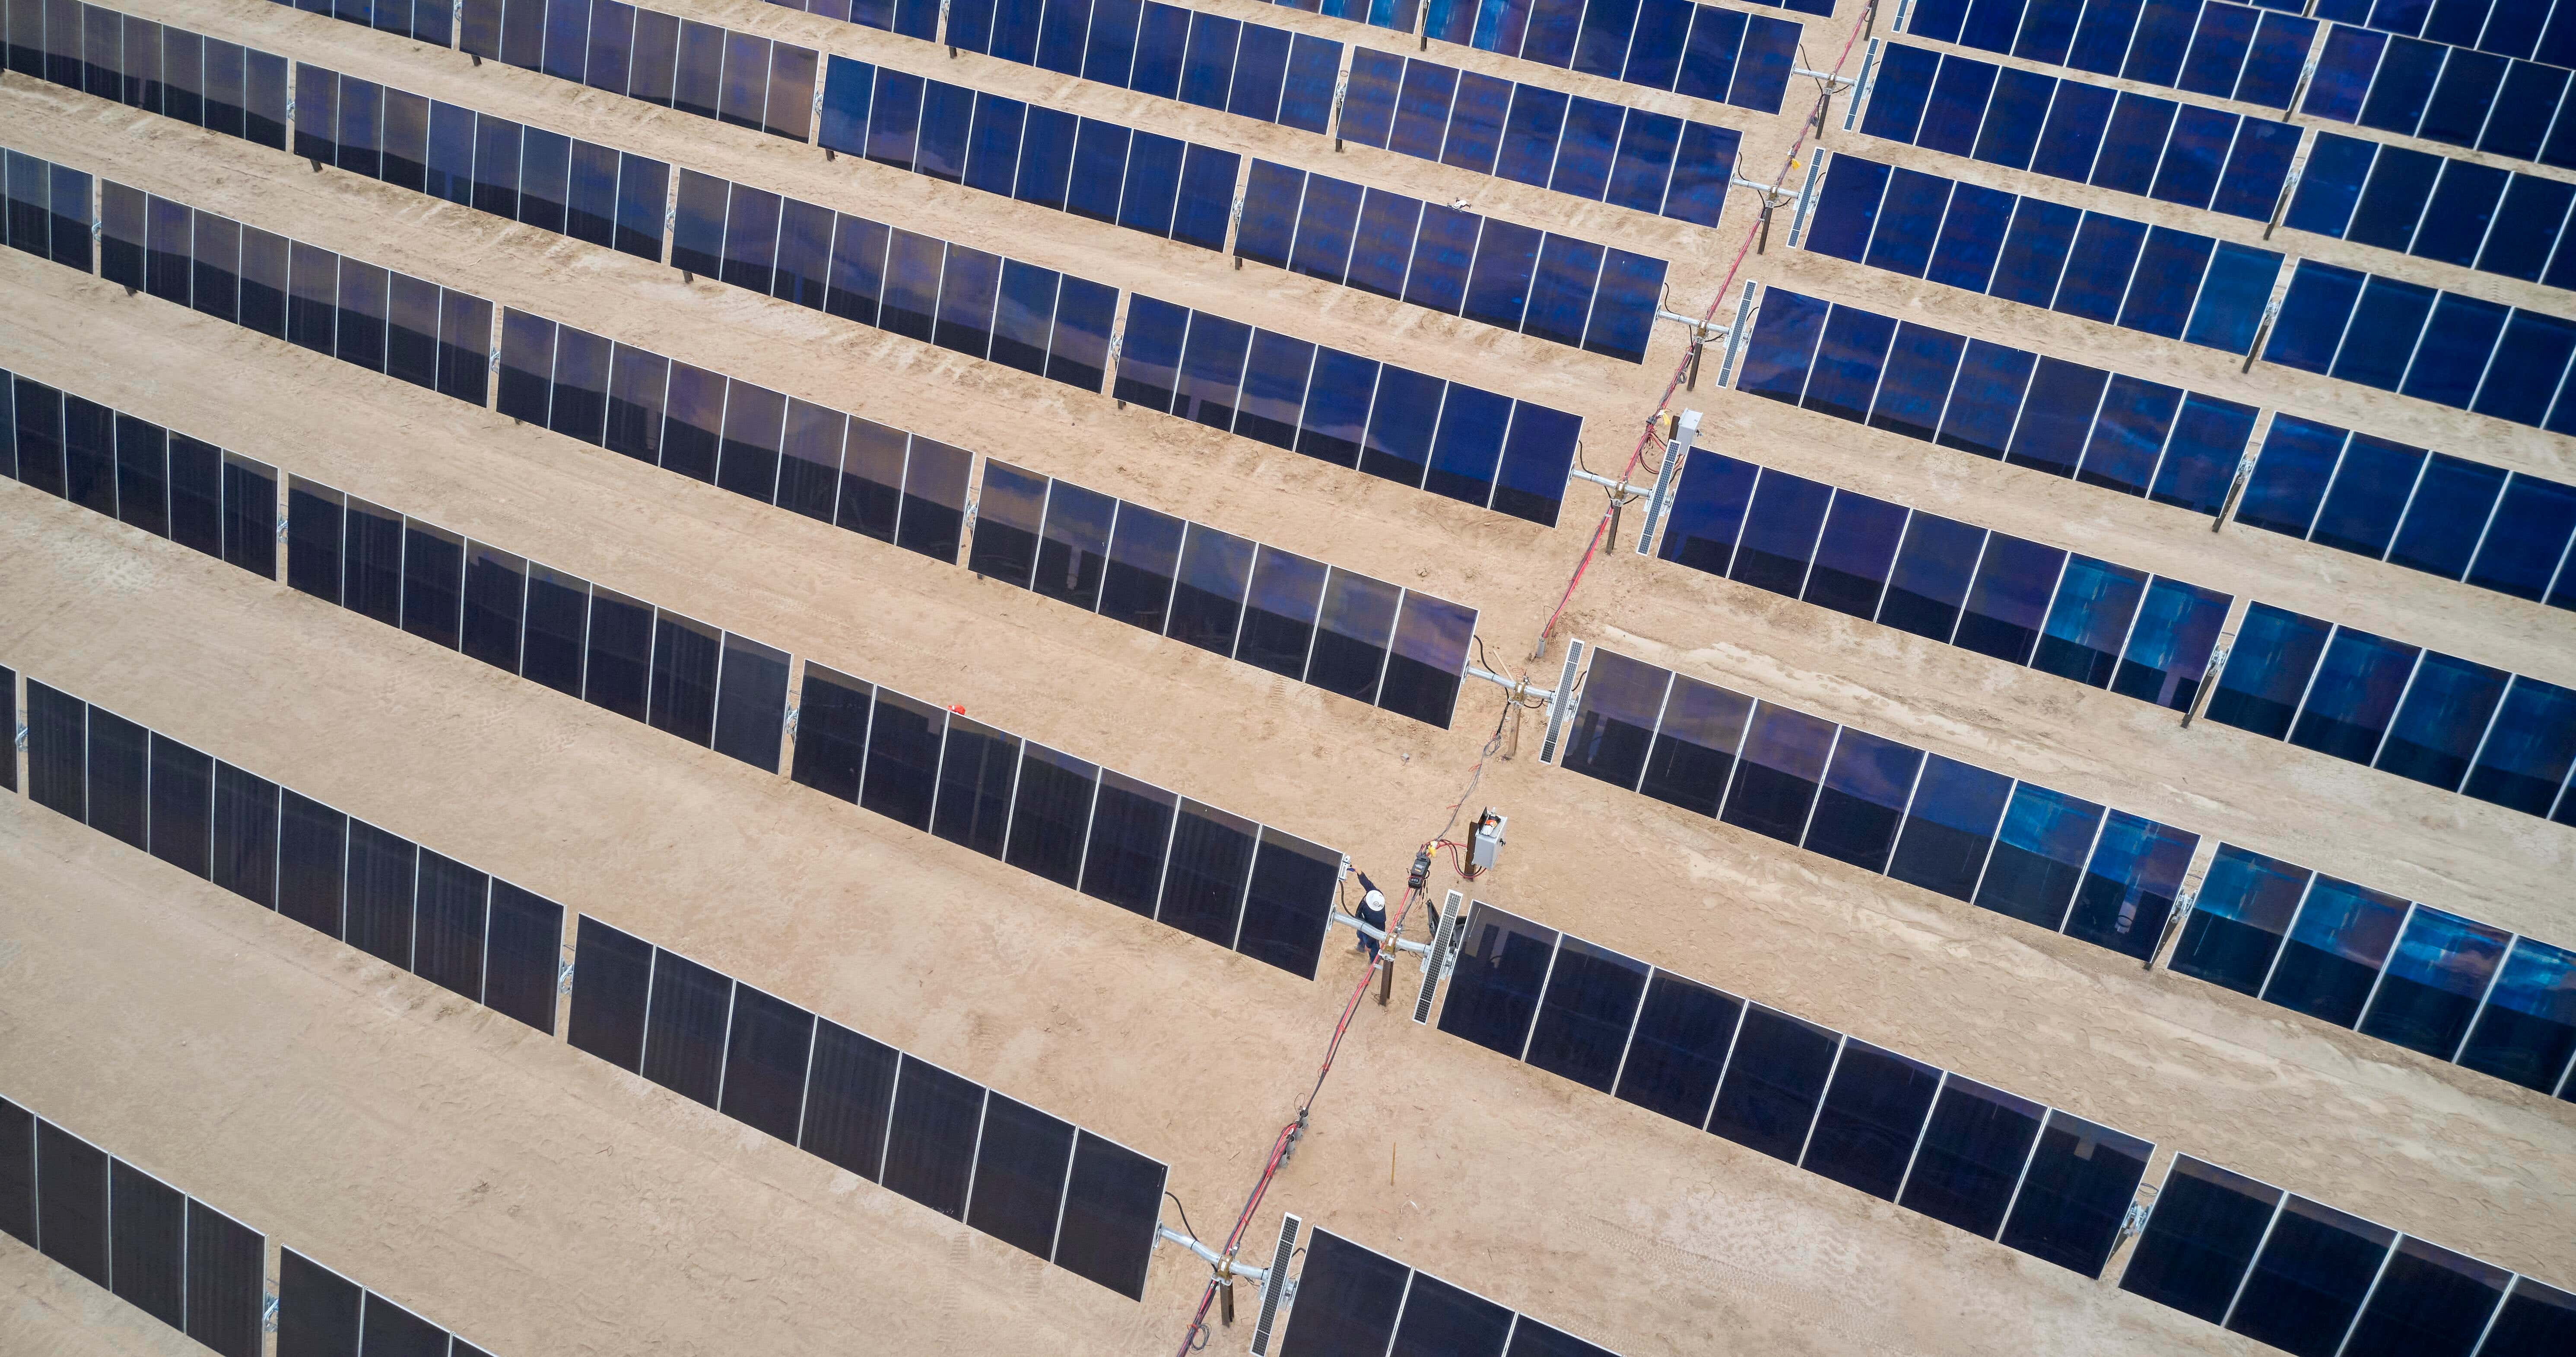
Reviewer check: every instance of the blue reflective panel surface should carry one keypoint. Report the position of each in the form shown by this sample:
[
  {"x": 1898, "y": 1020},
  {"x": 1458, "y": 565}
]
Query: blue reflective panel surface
[
  {"x": 2524, "y": 761},
  {"x": 1693, "y": 755},
  {"x": 1493, "y": 996},
  {"x": 1871, "y": 1118},
  {"x": 1974, "y": 1146},
  {"x": 1950, "y": 827},
  {"x": 1583, "y": 1019},
  {"x": 1931, "y": 576},
  {"x": 2334, "y": 950},
  {"x": 2427, "y": 1301},
  {"x": 1854, "y": 554},
  {"x": 1780, "y": 532},
  {"x": 2445, "y": 714},
  {"x": 2244, "y": 909},
  {"x": 1616, "y": 722},
  {"x": 2039, "y": 855},
  {"x": 2197, "y": 1245},
  {"x": 2089, "y": 621},
  {"x": 2009, "y": 600},
  {"x": 2526, "y": 1031},
  {"x": 1679, "y": 1048},
  {"x": 1861, "y": 803},
  {"x": 2267, "y": 670},
  {"x": 1784, "y": 758},
  {"x": 2081, "y": 1179},
  {"x": 2130, "y": 883},
  {"x": 2352, "y": 695},
  {"x": 2433, "y": 982},
  {"x": 2309, "y": 1280},
  {"x": 1773, "y": 1082}
]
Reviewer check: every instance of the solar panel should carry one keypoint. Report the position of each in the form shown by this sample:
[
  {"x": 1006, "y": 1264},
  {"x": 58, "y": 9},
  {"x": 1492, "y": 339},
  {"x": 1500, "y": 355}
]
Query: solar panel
[{"x": 1977, "y": 836}]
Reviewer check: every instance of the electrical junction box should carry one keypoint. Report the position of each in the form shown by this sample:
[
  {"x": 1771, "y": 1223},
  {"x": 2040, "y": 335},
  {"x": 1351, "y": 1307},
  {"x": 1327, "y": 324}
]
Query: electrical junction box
[{"x": 1486, "y": 844}]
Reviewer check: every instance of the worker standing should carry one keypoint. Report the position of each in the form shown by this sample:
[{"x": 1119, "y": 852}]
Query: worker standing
[{"x": 1372, "y": 913}]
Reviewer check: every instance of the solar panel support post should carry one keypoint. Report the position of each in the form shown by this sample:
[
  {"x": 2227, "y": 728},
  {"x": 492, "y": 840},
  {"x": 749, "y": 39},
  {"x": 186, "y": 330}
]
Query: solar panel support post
[{"x": 1832, "y": 84}]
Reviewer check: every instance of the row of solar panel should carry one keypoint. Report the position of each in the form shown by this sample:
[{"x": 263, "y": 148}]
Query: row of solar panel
[
  {"x": 1660, "y": 44},
  {"x": 1355, "y": 1302},
  {"x": 323, "y": 1314},
  {"x": 974, "y": 302},
  {"x": 734, "y": 77},
  {"x": 2444, "y": 347},
  {"x": 2404, "y": 972},
  {"x": 1723, "y": 57},
  {"x": 2118, "y": 432},
  {"x": 933, "y": 771},
  {"x": 406, "y": 327},
  {"x": 524, "y": 174},
  {"x": 2045, "y": 857},
  {"x": 873, "y": 480},
  {"x": 1092, "y": 168},
  {"x": 2451, "y": 95},
  {"x": 1214, "y": 875},
  {"x": 1301, "y": 619},
  {"x": 2227, "y": 51},
  {"x": 912, "y": 491},
  {"x": 2446, "y": 722},
  {"x": 406, "y": 905},
  {"x": 2038, "y": 1179},
  {"x": 633, "y": 1005},
  {"x": 1537, "y": 136},
  {"x": 2115, "y": 270},
  {"x": 1450, "y": 438},
  {"x": 711, "y": 687},
  {"x": 1597, "y": 297},
  {"x": 979, "y": 304},
  {"x": 2507, "y": 532},
  {"x": 2515, "y": 28},
  {"x": 2444, "y": 515},
  {"x": 1181, "y": 191},
  {"x": 168, "y": 484},
  {"x": 203, "y": 82},
  {"x": 380, "y": 320},
  {"x": 2436, "y": 207},
  {"x": 49, "y": 209},
  {"x": 2101, "y": 624},
  {"x": 429, "y": 21},
  {"x": 1247, "y": 69},
  {"x": 157, "y": 1248},
  {"x": 2121, "y": 140},
  {"x": 2302, "y": 1276},
  {"x": 1036, "y": 1182},
  {"x": 1296, "y": 395}
]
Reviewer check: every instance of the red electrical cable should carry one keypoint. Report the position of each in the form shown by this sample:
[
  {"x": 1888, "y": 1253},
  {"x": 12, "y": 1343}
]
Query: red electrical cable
[{"x": 1395, "y": 927}]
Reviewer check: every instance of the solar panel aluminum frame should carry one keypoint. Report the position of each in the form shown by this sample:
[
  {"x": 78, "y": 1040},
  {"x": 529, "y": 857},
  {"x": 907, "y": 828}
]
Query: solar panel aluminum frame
[
  {"x": 1676, "y": 451},
  {"x": 1745, "y": 312},
  {"x": 1436, "y": 963},
  {"x": 1275, "y": 1283},
  {"x": 1864, "y": 84},
  {"x": 1561, "y": 703}
]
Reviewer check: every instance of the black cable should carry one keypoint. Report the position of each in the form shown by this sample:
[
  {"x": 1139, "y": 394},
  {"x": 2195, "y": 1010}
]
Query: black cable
[{"x": 1185, "y": 1217}]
